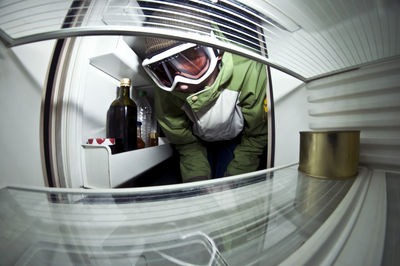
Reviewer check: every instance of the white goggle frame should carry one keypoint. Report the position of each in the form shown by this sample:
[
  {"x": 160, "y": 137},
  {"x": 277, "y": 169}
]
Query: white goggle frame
[{"x": 179, "y": 79}]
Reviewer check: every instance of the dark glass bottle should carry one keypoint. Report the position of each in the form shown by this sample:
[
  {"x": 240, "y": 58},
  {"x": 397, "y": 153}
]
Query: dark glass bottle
[{"x": 121, "y": 119}]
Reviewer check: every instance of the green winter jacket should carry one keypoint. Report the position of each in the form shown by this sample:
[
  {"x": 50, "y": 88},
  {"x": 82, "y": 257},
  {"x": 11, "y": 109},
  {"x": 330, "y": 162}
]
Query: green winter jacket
[{"x": 234, "y": 104}]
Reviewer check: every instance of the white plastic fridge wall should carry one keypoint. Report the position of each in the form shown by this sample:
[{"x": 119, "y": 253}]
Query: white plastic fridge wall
[
  {"x": 291, "y": 116},
  {"x": 365, "y": 99},
  {"x": 22, "y": 77}
]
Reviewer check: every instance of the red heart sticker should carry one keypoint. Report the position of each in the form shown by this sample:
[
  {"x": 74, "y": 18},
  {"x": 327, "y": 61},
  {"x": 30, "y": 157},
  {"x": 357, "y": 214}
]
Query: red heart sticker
[{"x": 100, "y": 141}]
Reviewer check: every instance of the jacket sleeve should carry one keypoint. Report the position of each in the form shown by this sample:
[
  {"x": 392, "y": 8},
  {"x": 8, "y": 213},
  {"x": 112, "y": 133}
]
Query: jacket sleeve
[
  {"x": 254, "y": 137},
  {"x": 178, "y": 129}
]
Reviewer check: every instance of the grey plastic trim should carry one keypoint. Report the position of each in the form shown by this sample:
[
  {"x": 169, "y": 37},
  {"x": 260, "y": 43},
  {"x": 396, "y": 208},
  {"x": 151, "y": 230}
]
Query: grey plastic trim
[
  {"x": 6, "y": 39},
  {"x": 155, "y": 189}
]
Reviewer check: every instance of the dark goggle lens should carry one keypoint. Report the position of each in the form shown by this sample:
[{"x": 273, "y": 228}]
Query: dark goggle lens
[
  {"x": 191, "y": 61},
  {"x": 163, "y": 72}
]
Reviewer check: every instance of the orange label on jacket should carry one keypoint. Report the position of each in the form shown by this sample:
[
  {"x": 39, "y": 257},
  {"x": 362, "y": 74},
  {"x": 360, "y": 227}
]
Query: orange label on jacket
[{"x": 265, "y": 105}]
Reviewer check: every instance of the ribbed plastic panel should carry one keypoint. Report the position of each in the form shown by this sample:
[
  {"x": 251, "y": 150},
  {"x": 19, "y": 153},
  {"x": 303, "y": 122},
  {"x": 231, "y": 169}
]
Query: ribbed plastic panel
[
  {"x": 368, "y": 100},
  {"x": 304, "y": 38},
  {"x": 24, "y": 18}
]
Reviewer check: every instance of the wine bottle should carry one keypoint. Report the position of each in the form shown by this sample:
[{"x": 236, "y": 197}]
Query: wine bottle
[{"x": 121, "y": 119}]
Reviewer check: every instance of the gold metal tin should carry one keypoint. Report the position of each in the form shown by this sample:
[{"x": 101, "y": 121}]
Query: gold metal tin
[{"x": 329, "y": 154}]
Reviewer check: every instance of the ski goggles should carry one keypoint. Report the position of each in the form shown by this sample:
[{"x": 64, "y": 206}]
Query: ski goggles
[{"x": 187, "y": 63}]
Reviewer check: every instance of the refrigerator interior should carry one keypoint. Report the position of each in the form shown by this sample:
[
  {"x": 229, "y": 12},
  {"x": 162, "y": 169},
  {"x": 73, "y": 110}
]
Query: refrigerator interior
[
  {"x": 334, "y": 66},
  {"x": 309, "y": 57}
]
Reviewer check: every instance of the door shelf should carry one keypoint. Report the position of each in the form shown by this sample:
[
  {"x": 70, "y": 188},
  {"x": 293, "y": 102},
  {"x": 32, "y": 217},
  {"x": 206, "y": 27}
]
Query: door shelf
[{"x": 105, "y": 170}]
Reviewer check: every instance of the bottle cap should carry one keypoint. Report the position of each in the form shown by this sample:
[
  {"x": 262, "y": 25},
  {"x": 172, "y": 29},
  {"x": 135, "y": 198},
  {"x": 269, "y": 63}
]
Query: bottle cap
[{"x": 125, "y": 82}]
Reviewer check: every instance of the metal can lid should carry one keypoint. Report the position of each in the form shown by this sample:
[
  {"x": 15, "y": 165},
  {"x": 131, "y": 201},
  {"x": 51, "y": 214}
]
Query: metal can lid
[{"x": 125, "y": 82}]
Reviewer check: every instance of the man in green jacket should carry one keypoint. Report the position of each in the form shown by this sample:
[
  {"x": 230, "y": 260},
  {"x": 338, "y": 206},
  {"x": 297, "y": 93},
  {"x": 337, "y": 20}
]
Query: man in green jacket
[{"x": 210, "y": 105}]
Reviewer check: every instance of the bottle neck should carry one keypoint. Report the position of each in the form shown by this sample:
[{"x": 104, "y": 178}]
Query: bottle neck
[{"x": 124, "y": 91}]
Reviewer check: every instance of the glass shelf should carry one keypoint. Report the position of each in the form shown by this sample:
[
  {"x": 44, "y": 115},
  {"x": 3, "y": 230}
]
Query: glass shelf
[{"x": 256, "y": 218}]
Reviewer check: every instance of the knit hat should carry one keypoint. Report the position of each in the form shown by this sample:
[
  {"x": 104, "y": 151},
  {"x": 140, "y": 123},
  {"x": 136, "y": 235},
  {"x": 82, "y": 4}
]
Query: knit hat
[
  {"x": 174, "y": 18},
  {"x": 154, "y": 45}
]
